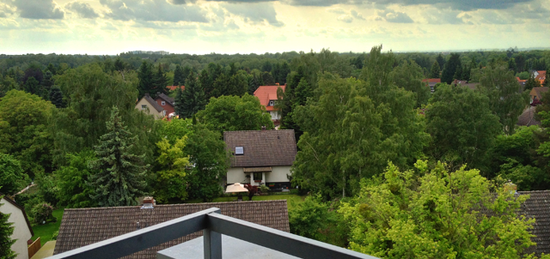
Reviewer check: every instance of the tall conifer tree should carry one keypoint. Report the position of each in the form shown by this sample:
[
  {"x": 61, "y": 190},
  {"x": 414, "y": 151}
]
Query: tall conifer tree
[
  {"x": 120, "y": 177},
  {"x": 192, "y": 98},
  {"x": 145, "y": 76},
  {"x": 179, "y": 78}
]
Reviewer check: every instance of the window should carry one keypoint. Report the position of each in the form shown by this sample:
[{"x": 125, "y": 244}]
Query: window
[
  {"x": 239, "y": 150},
  {"x": 271, "y": 103},
  {"x": 258, "y": 177},
  {"x": 144, "y": 107},
  {"x": 163, "y": 103}
]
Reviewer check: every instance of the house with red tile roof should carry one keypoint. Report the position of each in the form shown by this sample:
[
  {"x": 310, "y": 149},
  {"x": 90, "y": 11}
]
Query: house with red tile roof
[
  {"x": 540, "y": 75},
  {"x": 268, "y": 96},
  {"x": 431, "y": 82}
]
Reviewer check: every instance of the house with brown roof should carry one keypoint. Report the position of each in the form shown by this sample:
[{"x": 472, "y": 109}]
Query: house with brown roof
[
  {"x": 81, "y": 227},
  {"x": 527, "y": 118},
  {"x": 261, "y": 157},
  {"x": 166, "y": 102},
  {"x": 267, "y": 94},
  {"x": 538, "y": 207},
  {"x": 22, "y": 231},
  {"x": 537, "y": 93},
  {"x": 150, "y": 106}
]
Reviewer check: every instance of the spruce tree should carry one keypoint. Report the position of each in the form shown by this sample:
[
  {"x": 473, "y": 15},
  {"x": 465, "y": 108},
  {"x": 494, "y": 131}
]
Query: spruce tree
[
  {"x": 178, "y": 106},
  {"x": 192, "y": 98},
  {"x": 434, "y": 73},
  {"x": 160, "y": 82},
  {"x": 56, "y": 97},
  {"x": 178, "y": 76},
  {"x": 6, "y": 230},
  {"x": 145, "y": 76},
  {"x": 450, "y": 68},
  {"x": 120, "y": 177}
]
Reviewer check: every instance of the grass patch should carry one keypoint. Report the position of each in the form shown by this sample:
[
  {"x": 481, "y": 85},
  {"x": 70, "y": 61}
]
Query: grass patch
[
  {"x": 291, "y": 199},
  {"x": 46, "y": 231}
]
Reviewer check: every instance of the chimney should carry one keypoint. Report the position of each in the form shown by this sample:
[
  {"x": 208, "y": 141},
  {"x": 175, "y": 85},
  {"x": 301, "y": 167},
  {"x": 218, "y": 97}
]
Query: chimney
[{"x": 148, "y": 203}]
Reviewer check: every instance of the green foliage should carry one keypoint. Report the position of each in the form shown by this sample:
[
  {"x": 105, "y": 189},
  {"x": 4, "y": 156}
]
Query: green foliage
[
  {"x": 462, "y": 126},
  {"x": 409, "y": 77},
  {"x": 230, "y": 113},
  {"x": 437, "y": 214},
  {"x": 316, "y": 219},
  {"x": 354, "y": 128},
  {"x": 174, "y": 129},
  {"x": 6, "y": 230},
  {"x": 449, "y": 70},
  {"x": 191, "y": 100},
  {"x": 90, "y": 93},
  {"x": 506, "y": 99},
  {"x": 48, "y": 190},
  {"x": 170, "y": 183},
  {"x": 73, "y": 180},
  {"x": 146, "y": 80},
  {"x": 514, "y": 157},
  {"x": 56, "y": 97},
  {"x": 208, "y": 155},
  {"x": 23, "y": 130},
  {"x": 120, "y": 173},
  {"x": 42, "y": 213},
  {"x": 12, "y": 178},
  {"x": 435, "y": 70},
  {"x": 523, "y": 75},
  {"x": 160, "y": 81},
  {"x": 7, "y": 84}
]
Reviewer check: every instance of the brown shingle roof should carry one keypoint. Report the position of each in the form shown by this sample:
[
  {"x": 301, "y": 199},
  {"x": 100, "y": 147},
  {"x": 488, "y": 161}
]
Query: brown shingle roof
[
  {"x": 527, "y": 118},
  {"x": 166, "y": 98},
  {"x": 81, "y": 227},
  {"x": 538, "y": 207},
  {"x": 262, "y": 147}
]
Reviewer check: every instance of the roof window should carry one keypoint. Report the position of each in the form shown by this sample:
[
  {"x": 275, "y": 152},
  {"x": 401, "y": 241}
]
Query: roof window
[{"x": 239, "y": 150}]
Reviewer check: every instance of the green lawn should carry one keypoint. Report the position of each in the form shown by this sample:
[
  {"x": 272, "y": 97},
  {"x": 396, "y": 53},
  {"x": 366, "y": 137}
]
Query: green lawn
[
  {"x": 46, "y": 231},
  {"x": 291, "y": 199}
]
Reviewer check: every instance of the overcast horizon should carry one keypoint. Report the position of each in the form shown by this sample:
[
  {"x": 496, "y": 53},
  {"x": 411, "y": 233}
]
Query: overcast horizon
[{"x": 110, "y": 27}]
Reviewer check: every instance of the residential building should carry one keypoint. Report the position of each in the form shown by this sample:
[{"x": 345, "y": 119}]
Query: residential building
[
  {"x": 174, "y": 87},
  {"x": 540, "y": 75},
  {"x": 261, "y": 157},
  {"x": 527, "y": 118},
  {"x": 167, "y": 103},
  {"x": 537, "y": 93},
  {"x": 268, "y": 97},
  {"x": 81, "y": 227},
  {"x": 22, "y": 228},
  {"x": 431, "y": 82},
  {"x": 150, "y": 106}
]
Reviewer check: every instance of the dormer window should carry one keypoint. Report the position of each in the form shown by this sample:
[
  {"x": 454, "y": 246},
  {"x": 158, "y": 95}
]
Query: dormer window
[
  {"x": 163, "y": 103},
  {"x": 271, "y": 103},
  {"x": 239, "y": 151}
]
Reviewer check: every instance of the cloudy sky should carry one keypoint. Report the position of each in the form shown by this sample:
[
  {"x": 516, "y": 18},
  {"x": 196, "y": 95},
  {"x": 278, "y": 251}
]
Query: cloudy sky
[{"x": 259, "y": 26}]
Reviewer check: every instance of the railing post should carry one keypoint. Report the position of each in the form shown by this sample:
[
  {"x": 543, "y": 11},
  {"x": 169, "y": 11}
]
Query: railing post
[{"x": 212, "y": 242}]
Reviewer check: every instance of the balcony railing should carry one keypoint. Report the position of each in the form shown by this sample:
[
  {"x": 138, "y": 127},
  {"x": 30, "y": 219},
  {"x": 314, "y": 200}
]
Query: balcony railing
[{"x": 213, "y": 225}]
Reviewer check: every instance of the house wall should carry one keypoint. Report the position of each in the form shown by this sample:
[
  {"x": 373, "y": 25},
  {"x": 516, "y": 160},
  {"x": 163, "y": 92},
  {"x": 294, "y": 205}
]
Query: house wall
[
  {"x": 152, "y": 110},
  {"x": 275, "y": 115},
  {"x": 167, "y": 106},
  {"x": 236, "y": 175},
  {"x": 21, "y": 230},
  {"x": 277, "y": 175}
]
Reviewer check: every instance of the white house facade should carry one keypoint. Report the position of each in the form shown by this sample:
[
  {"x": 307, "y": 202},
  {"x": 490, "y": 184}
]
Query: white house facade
[{"x": 22, "y": 229}]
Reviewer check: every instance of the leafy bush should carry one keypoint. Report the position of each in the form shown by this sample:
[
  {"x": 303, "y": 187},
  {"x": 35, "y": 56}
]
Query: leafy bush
[
  {"x": 42, "y": 213},
  {"x": 264, "y": 189}
]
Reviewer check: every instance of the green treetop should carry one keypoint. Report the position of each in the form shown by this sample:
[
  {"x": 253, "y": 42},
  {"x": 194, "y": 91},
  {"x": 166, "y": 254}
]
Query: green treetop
[
  {"x": 191, "y": 100},
  {"x": 434, "y": 72},
  {"x": 120, "y": 177},
  {"x": 437, "y": 214}
]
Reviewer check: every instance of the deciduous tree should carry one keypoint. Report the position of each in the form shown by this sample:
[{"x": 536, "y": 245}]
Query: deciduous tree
[
  {"x": 437, "y": 214},
  {"x": 170, "y": 179}
]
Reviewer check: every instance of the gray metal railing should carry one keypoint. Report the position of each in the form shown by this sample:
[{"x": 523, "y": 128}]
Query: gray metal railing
[{"x": 213, "y": 225}]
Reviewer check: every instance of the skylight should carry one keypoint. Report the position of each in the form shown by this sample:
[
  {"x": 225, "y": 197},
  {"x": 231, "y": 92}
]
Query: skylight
[{"x": 239, "y": 151}]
